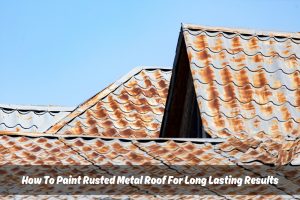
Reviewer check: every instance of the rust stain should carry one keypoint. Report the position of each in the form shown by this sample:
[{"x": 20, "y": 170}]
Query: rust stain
[
  {"x": 236, "y": 45},
  {"x": 207, "y": 74},
  {"x": 201, "y": 42},
  {"x": 258, "y": 58},
  {"x": 296, "y": 79},
  {"x": 253, "y": 44},
  {"x": 139, "y": 105},
  {"x": 285, "y": 113},
  {"x": 218, "y": 44},
  {"x": 281, "y": 97}
]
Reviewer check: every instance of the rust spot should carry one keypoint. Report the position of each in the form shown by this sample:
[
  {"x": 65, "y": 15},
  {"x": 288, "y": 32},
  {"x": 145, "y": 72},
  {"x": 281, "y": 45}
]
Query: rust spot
[
  {"x": 147, "y": 82},
  {"x": 86, "y": 148},
  {"x": 118, "y": 114},
  {"x": 256, "y": 123},
  {"x": 236, "y": 124},
  {"x": 127, "y": 133},
  {"x": 36, "y": 149},
  {"x": 90, "y": 120},
  {"x": 260, "y": 80},
  {"x": 222, "y": 55},
  {"x": 204, "y": 56},
  {"x": 285, "y": 113},
  {"x": 94, "y": 130},
  {"x": 296, "y": 79},
  {"x": 155, "y": 126},
  {"x": 219, "y": 43},
  {"x": 292, "y": 62},
  {"x": 297, "y": 94},
  {"x": 107, "y": 123},
  {"x": 135, "y": 157},
  {"x": 236, "y": 44},
  {"x": 145, "y": 108},
  {"x": 219, "y": 121},
  {"x": 78, "y": 143},
  {"x": 201, "y": 42},
  {"x": 288, "y": 125},
  {"x": 253, "y": 43},
  {"x": 190, "y": 55},
  {"x": 267, "y": 109},
  {"x": 258, "y": 58},
  {"x": 130, "y": 107},
  {"x": 281, "y": 97},
  {"x": 48, "y": 145},
  {"x": 139, "y": 123},
  {"x": 123, "y": 122},
  {"x": 207, "y": 74},
  {"x": 140, "y": 134},
  {"x": 99, "y": 143},
  {"x": 103, "y": 149},
  {"x": 288, "y": 47},
  {"x": 151, "y": 92},
  {"x": 162, "y": 84},
  {"x": 78, "y": 129},
  {"x": 22, "y": 139},
  {"x": 41, "y": 140},
  {"x": 124, "y": 96},
  {"x": 110, "y": 132},
  {"x": 101, "y": 113}
]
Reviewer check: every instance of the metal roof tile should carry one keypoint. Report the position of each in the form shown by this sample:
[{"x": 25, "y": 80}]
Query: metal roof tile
[
  {"x": 131, "y": 107},
  {"x": 246, "y": 82},
  {"x": 30, "y": 118}
]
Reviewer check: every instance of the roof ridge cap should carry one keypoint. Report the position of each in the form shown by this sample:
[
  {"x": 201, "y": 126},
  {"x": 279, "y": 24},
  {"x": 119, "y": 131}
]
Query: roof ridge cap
[{"x": 242, "y": 30}]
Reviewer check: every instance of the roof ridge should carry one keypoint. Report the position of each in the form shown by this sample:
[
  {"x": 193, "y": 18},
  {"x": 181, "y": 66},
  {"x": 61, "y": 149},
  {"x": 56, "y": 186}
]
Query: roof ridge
[{"x": 242, "y": 30}]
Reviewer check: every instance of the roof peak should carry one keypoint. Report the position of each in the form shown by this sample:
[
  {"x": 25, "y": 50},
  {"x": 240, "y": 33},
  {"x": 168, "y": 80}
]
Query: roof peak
[{"x": 242, "y": 30}]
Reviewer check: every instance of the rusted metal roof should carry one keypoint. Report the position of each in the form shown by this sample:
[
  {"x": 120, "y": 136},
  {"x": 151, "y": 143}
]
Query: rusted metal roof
[
  {"x": 30, "y": 118},
  {"x": 32, "y": 149},
  {"x": 131, "y": 107},
  {"x": 246, "y": 81}
]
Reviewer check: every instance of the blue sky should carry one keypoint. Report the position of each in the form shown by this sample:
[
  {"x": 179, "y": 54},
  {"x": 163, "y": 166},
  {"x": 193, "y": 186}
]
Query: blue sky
[{"x": 63, "y": 52}]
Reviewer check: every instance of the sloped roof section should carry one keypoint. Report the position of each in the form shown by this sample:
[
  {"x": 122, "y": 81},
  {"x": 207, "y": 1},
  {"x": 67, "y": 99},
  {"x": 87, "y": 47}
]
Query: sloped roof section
[
  {"x": 246, "y": 81},
  {"x": 24, "y": 149},
  {"x": 30, "y": 118},
  {"x": 131, "y": 107}
]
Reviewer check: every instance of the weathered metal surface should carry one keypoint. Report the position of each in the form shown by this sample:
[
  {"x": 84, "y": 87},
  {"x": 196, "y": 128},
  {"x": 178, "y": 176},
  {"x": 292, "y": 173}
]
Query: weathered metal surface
[
  {"x": 50, "y": 150},
  {"x": 37, "y": 150},
  {"x": 30, "y": 118},
  {"x": 131, "y": 107},
  {"x": 246, "y": 81}
]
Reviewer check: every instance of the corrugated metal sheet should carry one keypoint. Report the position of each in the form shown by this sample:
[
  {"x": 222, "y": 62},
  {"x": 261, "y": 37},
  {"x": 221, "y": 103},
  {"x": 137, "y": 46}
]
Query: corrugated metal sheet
[
  {"x": 246, "y": 81},
  {"x": 131, "y": 107},
  {"x": 30, "y": 118}
]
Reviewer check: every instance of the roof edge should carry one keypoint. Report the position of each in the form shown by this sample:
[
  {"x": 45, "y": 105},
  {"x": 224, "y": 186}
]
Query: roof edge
[
  {"x": 37, "y": 135},
  {"x": 37, "y": 107},
  {"x": 243, "y": 30}
]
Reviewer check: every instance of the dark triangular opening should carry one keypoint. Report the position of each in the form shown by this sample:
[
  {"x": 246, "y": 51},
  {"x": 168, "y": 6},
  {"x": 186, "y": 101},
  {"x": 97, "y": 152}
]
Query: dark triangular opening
[{"x": 182, "y": 116}]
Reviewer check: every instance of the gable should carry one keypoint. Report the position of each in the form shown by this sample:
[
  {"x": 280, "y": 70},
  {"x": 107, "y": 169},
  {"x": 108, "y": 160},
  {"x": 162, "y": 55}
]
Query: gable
[{"x": 246, "y": 82}]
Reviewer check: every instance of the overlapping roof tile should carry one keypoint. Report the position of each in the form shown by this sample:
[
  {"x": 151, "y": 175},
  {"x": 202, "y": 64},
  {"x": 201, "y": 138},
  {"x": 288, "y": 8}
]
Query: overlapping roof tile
[
  {"x": 131, "y": 107},
  {"x": 246, "y": 81},
  {"x": 67, "y": 150},
  {"x": 30, "y": 118}
]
